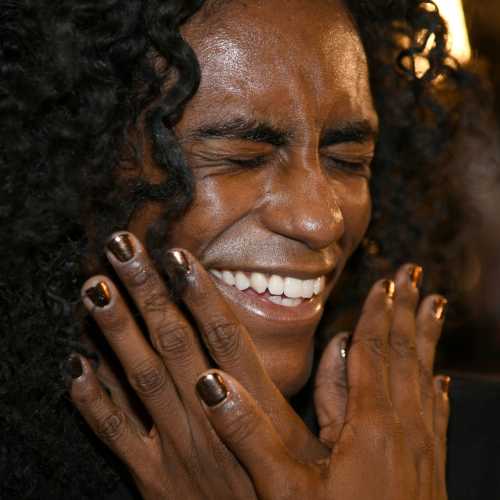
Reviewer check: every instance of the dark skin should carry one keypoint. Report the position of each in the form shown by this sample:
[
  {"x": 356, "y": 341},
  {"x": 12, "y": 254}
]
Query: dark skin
[{"x": 280, "y": 137}]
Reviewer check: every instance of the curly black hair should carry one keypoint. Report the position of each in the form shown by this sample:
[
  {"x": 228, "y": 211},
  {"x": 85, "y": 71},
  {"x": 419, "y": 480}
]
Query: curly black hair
[{"x": 76, "y": 78}]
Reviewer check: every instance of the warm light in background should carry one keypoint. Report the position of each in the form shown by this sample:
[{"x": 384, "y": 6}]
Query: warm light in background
[
  {"x": 459, "y": 46},
  {"x": 453, "y": 12}
]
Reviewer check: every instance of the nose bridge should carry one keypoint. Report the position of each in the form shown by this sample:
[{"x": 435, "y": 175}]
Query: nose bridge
[{"x": 303, "y": 204}]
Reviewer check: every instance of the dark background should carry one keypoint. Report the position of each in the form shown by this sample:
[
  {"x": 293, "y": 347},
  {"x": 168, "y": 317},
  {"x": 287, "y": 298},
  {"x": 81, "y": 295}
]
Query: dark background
[{"x": 474, "y": 345}]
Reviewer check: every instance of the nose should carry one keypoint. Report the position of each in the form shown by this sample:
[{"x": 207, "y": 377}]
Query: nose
[{"x": 303, "y": 205}]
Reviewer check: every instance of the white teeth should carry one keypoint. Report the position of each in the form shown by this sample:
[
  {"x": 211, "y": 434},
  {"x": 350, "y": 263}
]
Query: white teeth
[
  {"x": 242, "y": 282},
  {"x": 293, "y": 288},
  {"x": 228, "y": 278},
  {"x": 319, "y": 285},
  {"x": 276, "y": 299},
  {"x": 258, "y": 282},
  {"x": 307, "y": 289},
  {"x": 276, "y": 285},
  {"x": 291, "y": 302}
]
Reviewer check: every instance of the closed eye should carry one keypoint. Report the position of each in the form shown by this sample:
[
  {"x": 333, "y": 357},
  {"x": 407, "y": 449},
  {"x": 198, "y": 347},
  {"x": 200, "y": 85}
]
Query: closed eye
[{"x": 250, "y": 163}]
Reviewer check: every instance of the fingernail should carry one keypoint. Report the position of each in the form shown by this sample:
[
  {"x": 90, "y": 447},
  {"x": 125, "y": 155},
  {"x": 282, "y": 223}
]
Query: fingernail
[
  {"x": 439, "y": 308},
  {"x": 390, "y": 288},
  {"x": 100, "y": 294},
  {"x": 345, "y": 344},
  {"x": 121, "y": 247},
  {"x": 212, "y": 389},
  {"x": 72, "y": 368},
  {"x": 177, "y": 269},
  {"x": 416, "y": 276},
  {"x": 444, "y": 384}
]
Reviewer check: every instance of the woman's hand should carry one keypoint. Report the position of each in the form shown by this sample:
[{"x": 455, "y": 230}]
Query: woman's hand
[
  {"x": 387, "y": 424},
  {"x": 180, "y": 456}
]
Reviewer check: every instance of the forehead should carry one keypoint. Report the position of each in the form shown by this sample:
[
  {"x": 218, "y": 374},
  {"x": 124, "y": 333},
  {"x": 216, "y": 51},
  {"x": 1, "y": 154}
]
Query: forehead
[{"x": 270, "y": 54}]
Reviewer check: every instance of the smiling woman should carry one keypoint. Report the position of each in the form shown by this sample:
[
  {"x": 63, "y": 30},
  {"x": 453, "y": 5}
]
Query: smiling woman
[{"x": 209, "y": 168}]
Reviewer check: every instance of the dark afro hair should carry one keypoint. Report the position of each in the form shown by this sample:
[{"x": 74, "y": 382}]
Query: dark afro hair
[{"x": 75, "y": 80}]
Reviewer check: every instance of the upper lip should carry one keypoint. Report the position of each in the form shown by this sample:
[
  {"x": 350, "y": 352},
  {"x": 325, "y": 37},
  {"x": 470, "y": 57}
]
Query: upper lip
[{"x": 303, "y": 273}]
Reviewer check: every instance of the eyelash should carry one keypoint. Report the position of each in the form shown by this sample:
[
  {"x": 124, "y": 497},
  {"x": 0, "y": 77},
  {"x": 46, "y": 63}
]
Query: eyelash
[
  {"x": 249, "y": 163},
  {"x": 259, "y": 161},
  {"x": 350, "y": 166}
]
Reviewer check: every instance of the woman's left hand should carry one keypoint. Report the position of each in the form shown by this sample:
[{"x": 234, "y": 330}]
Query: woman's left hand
[{"x": 385, "y": 415}]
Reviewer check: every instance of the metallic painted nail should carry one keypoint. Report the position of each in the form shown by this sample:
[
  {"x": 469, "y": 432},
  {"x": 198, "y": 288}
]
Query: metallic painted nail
[
  {"x": 100, "y": 294},
  {"x": 390, "y": 289},
  {"x": 179, "y": 258},
  {"x": 439, "y": 308},
  {"x": 121, "y": 247},
  {"x": 444, "y": 384},
  {"x": 416, "y": 276},
  {"x": 345, "y": 344},
  {"x": 212, "y": 389},
  {"x": 72, "y": 369},
  {"x": 177, "y": 269}
]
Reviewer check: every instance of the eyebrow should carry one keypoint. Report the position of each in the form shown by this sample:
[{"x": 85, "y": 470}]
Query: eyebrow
[
  {"x": 247, "y": 130},
  {"x": 360, "y": 131}
]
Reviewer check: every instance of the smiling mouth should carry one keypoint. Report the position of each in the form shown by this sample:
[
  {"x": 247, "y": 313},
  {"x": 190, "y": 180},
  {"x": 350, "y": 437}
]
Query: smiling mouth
[{"x": 285, "y": 291}]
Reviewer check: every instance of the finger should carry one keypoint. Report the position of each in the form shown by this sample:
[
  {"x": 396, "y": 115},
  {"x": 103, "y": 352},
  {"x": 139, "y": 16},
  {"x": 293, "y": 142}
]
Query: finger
[
  {"x": 368, "y": 361},
  {"x": 109, "y": 423},
  {"x": 430, "y": 319},
  {"x": 233, "y": 350},
  {"x": 248, "y": 432},
  {"x": 330, "y": 389},
  {"x": 144, "y": 369},
  {"x": 403, "y": 360},
  {"x": 171, "y": 333},
  {"x": 441, "y": 418}
]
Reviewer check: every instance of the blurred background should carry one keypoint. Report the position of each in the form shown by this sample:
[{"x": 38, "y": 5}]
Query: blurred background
[{"x": 473, "y": 344}]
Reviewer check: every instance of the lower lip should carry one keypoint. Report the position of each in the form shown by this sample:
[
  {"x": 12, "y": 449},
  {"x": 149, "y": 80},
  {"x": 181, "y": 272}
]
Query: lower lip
[{"x": 309, "y": 310}]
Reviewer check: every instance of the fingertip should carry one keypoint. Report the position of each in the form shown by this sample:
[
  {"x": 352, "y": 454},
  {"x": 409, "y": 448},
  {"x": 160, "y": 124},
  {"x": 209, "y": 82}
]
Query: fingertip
[
  {"x": 98, "y": 291},
  {"x": 212, "y": 389},
  {"x": 442, "y": 385}
]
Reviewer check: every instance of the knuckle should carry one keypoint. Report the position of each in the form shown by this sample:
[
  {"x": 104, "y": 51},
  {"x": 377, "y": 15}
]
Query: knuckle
[
  {"x": 403, "y": 346},
  {"x": 111, "y": 427},
  {"x": 426, "y": 379},
  {"x": 381, "y": 430},
  {"x": 374, "y": 345},
  {"x": 156, "y": 302},
  {"x": 113, "y": 323},
  {"x": 426, "y": 446},
  {"x": 241, "y": 427},
  {"x": 139, "y": 275},
  {"x": 148, "y": 380},
  {"x": 224, "y": 339},
  {"x": 87, "y": 395},
  {"x": 173, "y": 341}
]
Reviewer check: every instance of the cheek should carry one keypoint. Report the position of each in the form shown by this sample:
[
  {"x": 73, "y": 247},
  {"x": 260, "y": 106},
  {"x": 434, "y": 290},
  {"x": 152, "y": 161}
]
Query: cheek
[
  {"x": 356, "y": 209},
  {"x": 220, "y": 202}
]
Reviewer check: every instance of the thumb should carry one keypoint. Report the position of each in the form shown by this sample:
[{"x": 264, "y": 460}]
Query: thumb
[
  {"x": 330, "y": 389},
  {"x": 248, "y": 432}
]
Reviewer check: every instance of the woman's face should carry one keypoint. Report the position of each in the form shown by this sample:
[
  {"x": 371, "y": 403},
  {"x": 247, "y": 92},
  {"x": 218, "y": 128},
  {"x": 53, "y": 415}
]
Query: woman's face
[{"x": 279, "y": 136}]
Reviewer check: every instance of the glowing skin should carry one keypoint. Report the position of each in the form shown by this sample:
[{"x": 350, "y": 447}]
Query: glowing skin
[{"x": 295, "y": 211}]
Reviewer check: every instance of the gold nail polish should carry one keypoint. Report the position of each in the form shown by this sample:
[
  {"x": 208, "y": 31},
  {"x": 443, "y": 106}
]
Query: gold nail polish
[
  {"x": 100, "y": 294},
  {"x": 416, "y": 276},
  {"x": 121, "y": 247},
  {"x": 444, "y": 384},
  {"x": 212, "y": 389},
  {"x": 390, "y": 289},
  {"x": 439, "y": 308}
]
